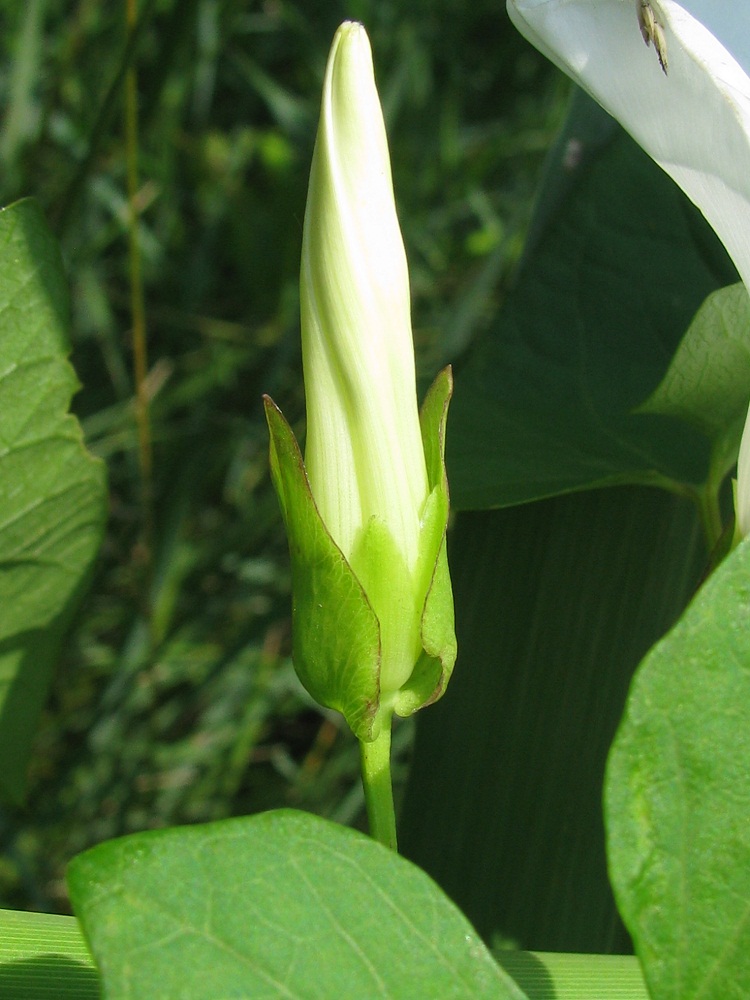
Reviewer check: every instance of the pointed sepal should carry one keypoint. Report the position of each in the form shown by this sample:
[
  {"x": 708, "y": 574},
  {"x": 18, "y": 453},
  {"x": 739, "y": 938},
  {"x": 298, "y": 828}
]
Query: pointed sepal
[
  {"x": 336, "y": 636},
  {"x": 433, "y": 670}
]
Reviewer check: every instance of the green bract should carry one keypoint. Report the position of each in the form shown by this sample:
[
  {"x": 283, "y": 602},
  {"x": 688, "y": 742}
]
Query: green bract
[{"x": 366, "y": 512}]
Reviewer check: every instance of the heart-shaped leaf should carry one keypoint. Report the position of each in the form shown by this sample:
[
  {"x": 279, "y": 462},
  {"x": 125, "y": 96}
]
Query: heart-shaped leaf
[{"x": 282, "y": 904}]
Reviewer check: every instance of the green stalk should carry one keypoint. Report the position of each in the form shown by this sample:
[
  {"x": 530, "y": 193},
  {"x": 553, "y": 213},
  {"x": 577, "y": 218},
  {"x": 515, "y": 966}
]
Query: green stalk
[
  {"x": 709, "y": 507},
  {"x": 42, "y": 953},
  {"x": 137, "y": 307},
  {"x": 69, "y": 202},
  {"x": 376, "y": 779},
  {"x": 558, "y": 976}
]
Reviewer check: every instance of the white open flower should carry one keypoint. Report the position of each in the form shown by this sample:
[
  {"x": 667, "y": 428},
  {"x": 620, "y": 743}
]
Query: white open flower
[{"x": 694, "y": 119}]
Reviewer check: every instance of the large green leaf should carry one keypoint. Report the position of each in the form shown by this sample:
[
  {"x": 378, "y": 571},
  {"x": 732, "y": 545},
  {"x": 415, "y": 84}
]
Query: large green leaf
[
  {"x": 556, "y": 604},
  {"x": 678, "y": 798},
  {"x": 52, "y": 493},
  {"x": 618, "y": 263},
  {"x": 278, "y": 905}
]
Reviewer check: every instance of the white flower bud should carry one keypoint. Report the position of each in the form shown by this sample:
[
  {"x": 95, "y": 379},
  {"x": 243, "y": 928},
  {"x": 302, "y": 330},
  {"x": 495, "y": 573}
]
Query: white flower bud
[{"x": 366, "y": 513}]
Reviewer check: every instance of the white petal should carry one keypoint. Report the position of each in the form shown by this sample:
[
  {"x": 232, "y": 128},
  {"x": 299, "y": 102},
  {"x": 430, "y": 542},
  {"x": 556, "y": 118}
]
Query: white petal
[{"x": 728, "y": 21}]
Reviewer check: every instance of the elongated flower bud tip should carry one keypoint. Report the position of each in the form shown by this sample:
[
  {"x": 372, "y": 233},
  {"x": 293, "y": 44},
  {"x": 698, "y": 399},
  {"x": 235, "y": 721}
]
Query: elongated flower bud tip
[{"x": 364, "y": 453}]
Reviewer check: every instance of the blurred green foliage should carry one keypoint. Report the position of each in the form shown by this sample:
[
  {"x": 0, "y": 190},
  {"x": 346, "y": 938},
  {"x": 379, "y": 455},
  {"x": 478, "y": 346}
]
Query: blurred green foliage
[{"x": 176, "y": 701}]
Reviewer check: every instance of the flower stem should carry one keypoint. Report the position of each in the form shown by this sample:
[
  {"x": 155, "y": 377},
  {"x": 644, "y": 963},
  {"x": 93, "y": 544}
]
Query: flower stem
[
  {"x": 376, "y": 779},
  {"x": 709, "y": 507}
]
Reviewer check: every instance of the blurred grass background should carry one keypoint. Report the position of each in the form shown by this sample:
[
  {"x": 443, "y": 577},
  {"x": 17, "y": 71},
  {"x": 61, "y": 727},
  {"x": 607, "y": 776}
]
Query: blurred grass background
[{"x": 175, "y": 700}]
